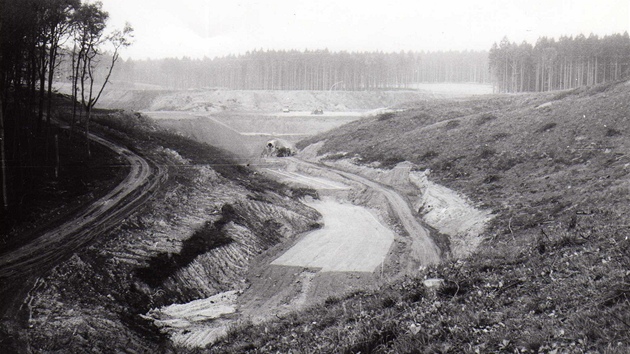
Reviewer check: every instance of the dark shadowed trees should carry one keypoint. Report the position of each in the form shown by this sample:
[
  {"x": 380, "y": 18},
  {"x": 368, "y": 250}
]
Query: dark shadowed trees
[
  {"x": 565, "y": 63},
  {"x": 34, "y": 40},
  {"x": 90, "y": 22}
]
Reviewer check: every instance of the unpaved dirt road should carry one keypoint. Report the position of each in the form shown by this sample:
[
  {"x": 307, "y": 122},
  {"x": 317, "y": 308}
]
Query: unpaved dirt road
[
  {"x": 297, "y": 277},
  {"x": 343, "y": 256},
  {"x": 424, "y": 250},
  {"x": 20, "y": 268}
]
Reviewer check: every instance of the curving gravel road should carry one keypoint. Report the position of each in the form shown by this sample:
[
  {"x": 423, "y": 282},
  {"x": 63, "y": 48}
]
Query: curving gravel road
[{"x": 19, "y": 268}]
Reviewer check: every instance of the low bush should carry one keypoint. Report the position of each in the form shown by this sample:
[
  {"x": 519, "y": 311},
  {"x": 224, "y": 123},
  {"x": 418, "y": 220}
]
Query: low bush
[
  {"x": 385, "y": 116},
  {"x": 547, "y": 127},
  {"x": 610, "y": 132},
  {"x": 485, "y": 118}
]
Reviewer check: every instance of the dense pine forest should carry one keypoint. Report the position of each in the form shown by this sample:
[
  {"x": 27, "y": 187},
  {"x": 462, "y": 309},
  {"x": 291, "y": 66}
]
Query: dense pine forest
[
  {"x": 561, "y": 64},
  {"x": 311, "y": 70},
  {"x": 549, "y": 64}
]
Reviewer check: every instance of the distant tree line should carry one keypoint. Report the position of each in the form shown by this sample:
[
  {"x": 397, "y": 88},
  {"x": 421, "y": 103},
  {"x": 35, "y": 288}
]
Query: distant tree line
[
  {"x": 565, "y": 63},
  {"x": 311, "y": 70},
  {"x": 36, "y": 37}
]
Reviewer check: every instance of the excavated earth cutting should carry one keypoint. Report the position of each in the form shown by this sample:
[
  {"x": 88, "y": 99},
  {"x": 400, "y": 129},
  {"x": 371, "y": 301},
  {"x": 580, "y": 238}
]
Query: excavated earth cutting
[{"x": 256, "y": 253}]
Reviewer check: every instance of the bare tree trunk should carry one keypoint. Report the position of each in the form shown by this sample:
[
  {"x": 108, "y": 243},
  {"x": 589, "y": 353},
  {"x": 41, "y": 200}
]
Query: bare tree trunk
[
  {"x": 87, "y": 132},
  {"x": 5, "y": 199},
  {"x": 56, "y": 156}
]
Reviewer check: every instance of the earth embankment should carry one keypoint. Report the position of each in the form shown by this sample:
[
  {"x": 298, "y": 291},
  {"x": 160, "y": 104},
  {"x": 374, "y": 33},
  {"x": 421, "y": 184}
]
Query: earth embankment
[
  {"x": 218, "y": 100},
  {"x": 193, "y": 238}
]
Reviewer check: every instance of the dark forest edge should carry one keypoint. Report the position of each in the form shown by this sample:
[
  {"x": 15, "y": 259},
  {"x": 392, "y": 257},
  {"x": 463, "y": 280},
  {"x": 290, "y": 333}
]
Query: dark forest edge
[
  {"x": 37, "y": 37},
  {"x": 562, "y": 64}
]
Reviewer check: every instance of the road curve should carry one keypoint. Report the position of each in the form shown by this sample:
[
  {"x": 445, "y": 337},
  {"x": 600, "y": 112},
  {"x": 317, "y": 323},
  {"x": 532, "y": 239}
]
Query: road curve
[
  {"x": 21, "y": 266},
  {"x": 424, "y": 250}
]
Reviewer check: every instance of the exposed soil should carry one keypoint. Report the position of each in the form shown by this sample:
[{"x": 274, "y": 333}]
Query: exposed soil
[
  {"x": 550, "y": 273},
  {"x": 211, "y": 100},
  {"x": 217, "y": 228},
  {"x": 96, "y": 297}
]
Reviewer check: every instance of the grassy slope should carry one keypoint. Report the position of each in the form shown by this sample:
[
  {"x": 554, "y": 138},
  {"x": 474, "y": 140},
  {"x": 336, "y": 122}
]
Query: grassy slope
[{"x": 552, "y": 273}]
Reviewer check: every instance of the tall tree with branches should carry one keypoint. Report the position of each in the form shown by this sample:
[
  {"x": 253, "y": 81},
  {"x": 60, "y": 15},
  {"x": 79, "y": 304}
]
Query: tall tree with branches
[{"x": 90, "y": 24}]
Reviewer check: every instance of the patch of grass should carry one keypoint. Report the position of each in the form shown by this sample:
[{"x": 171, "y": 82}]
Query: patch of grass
[
  {"x": 423, "y": 116},
  {"x": 336, "y": 156},
  {"x": 391, "y": 161},
  {"x": 565, "y": 94},
  {"x": 486, "y": 153},
  {"x": 491, "y": 179},
  {"x": 500, "y": 136},
  {"x": 302, "y": 192}
]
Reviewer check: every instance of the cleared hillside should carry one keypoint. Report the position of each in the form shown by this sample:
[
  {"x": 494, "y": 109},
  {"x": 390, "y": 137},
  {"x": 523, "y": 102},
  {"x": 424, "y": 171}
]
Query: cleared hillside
[
  {"x": 213, "y": 100},
  {"x": 194, "y": 237},
  {"x": 551, "y": 273}
]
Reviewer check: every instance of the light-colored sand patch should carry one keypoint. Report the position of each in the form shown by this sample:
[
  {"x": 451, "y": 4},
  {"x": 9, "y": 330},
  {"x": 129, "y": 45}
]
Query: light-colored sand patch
[
  {"x": 326, "y": 114},
  {"x": 451, "y": 214},
  {"x": 188, "y": 324},
  {"x": 352, "y": 239},
  {"x": 173, "y": 115},
  {"x": 446, "y": 89}
]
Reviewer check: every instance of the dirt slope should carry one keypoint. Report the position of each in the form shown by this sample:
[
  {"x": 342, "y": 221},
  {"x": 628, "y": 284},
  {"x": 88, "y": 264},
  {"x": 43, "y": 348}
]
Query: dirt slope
[
  {"x": 266, "y": 101},
  {"x": 550, "y": 274},
  {"x": 192, "y": 239}
]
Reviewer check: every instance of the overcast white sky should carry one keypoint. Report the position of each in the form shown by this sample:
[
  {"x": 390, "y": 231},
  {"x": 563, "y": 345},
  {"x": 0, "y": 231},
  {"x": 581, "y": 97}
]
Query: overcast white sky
[{"x": 198, "y": 28}]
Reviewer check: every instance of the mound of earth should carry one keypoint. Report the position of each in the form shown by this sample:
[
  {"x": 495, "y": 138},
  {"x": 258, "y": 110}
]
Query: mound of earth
[{"x": 211, "y": 100}]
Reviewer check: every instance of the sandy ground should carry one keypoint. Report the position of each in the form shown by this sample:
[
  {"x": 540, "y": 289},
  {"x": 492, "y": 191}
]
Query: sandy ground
[
  {"x": 185, "y": 323},
  {"x": 348, "y": 253},
  {"x": 309, "y": 114},
  {"x": 446, "y": 89},
  {"x": 344, "y": 255},
  {"x": 352, "y": 239}
]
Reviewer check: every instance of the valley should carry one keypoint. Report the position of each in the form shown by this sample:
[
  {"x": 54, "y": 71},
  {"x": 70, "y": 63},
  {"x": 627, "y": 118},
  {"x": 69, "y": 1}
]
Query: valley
[{"x": 339, "y": 246}]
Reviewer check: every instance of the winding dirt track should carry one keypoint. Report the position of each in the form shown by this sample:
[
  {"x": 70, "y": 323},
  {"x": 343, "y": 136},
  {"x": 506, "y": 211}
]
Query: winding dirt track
[
  {"x": 21, "y": 267},
  {"x": 424, "y": 250}
]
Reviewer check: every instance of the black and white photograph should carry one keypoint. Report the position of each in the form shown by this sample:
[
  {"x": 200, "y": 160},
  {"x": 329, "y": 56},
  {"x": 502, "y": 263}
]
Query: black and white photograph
[{"x": 321, "y": 176}]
